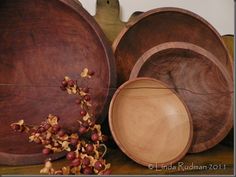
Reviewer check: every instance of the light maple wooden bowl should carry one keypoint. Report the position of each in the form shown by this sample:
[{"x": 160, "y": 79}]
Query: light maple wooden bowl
[{"x": 150, "y": 123}]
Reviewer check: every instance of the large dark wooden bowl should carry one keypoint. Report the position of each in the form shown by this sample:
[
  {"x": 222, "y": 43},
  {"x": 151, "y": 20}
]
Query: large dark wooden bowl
[
  {"x": 164, "y": 25},
  {"x": 202, "y": 82},
  {"x": 41, "y": 42}
]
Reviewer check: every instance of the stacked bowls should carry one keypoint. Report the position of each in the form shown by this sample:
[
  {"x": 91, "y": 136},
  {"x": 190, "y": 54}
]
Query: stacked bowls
[{"x": 188, "y": 59}]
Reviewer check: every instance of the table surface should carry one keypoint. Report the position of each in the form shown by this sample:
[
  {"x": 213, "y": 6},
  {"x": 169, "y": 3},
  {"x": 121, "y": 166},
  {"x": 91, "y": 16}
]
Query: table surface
[{"x": 219, "y": 160}]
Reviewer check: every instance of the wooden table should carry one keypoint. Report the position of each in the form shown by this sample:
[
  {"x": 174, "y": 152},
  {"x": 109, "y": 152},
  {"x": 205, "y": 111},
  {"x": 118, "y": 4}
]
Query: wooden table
[{"x": 219, "y": 156}]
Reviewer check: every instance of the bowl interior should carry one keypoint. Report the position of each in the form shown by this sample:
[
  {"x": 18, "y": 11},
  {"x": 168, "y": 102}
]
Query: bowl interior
[
  {"x": 150, "y": 123},
  {"x": 201, "y": 81}
]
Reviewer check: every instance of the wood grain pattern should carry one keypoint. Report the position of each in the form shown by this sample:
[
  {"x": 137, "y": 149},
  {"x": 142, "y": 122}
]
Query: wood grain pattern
[
  {"x": 150, "y": 123},
  {"x": 201, "y": 80},
  {"x": 164, "y": 25},
  {"x": 41, "y": 42}
]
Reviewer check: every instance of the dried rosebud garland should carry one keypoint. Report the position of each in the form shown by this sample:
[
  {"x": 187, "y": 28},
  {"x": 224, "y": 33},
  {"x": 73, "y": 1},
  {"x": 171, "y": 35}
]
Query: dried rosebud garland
[{"x": 85, "y": 149}]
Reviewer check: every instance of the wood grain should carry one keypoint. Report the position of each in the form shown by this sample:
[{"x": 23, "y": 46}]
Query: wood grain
[
  {"x": 41, "y": 42},
  {"x": 150, "y": 123},
  {"x": 201, "y": 80},
  {"x": 164, "y": 25}
]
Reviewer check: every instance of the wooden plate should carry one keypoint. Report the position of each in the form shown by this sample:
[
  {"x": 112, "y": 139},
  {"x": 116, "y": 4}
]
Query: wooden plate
[
  {"x": 202, "y": 82},
  {"x": 150, "y": 123},
  {"x": 41, "y": 42},
  {"x": 164, "y": 25}
]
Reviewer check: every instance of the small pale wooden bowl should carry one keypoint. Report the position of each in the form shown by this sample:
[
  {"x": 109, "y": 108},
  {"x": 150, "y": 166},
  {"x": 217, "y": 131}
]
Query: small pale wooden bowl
[{"x": 150, "y": 123}]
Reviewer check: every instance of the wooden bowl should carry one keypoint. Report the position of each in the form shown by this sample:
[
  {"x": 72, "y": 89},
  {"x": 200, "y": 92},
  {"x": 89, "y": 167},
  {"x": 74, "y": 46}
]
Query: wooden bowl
[
  {"x": 164, "y": 25},
  {"x": 201, "y": 80},
  {"x": 229, "y": 42},
  {"x": 42, "y": 42},
  {"x": 150, "y": 123}
]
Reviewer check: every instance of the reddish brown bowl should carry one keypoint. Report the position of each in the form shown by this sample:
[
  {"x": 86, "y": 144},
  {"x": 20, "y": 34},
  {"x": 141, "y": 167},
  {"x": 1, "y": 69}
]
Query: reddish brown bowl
[
  {"x": 165, "y": 25},
  {"x": 42, "y": 42},
  {"x": 201, "y": 80}
]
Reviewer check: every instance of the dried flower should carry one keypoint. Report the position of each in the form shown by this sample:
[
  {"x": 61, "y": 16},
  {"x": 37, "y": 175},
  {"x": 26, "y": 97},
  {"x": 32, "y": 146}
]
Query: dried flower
[{"x": 85, "y": 154}]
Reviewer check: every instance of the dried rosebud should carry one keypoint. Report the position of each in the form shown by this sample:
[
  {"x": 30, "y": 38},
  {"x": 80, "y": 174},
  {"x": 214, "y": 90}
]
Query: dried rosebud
[
  {"x": 89, "y": 148},
  {"x": 98, "y": 165},
  {"x": 74, "y": 141},
  {"x": 47, "y": 126},
  {"x": 61, "y": 133},
  {"x": 71, "y": 156},
  {"x": 64, "y": 83},
  {"x": 85, "y": 124},
  {"x": 83, "y": 112},
  {"x": 76, "y": 162},
  {"x": 41, "y": 130},
  {"x": 46, "y": 151},
  {"x": 95, "y": 137},
  {"x": 56, "y": 128},
  {"x": 87, "y": 98},
  {"x": 91, "y": 73},
  {"x": 86, "y": 161},
  {"x": 15, "y": 127},
  {"x": 85, "y": 90},
  {"x": 104, "y": 138},
  {"x": 71, "y": 83},
  {"x": 82, "y": 129}
]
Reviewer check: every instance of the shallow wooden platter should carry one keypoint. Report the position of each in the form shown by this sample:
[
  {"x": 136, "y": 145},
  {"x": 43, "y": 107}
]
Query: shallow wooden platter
[
  {"x": 41, "y": 42},
  {"x": 165, "y": 25},
  {"x": 201, "y": 80},
  {"x": 150, "y": 123}
]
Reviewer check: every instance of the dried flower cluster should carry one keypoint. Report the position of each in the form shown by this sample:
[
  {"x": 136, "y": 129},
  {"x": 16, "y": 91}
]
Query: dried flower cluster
[{"x": 85, "y": 148}]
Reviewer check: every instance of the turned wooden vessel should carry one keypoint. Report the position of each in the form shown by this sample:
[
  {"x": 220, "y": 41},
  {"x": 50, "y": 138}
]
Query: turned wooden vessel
[
  {"x": 229, "y": 42},
  {"x": 165, "y": 25},
  {"x": 202, "y": 82},
  {"x": 42, "y": 42},
  {"x": 150, "y": 122}
]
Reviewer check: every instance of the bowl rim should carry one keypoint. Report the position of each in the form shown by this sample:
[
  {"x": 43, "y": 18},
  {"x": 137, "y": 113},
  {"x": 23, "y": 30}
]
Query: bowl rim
[
  {"x": 201, "y": 51},
  {"x": 160, "y": 10},
  {"x": 119, "y": 143}
]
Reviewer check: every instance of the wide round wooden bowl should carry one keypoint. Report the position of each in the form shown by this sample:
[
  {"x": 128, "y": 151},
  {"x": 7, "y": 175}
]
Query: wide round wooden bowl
[
  {"x": 150, "y": 123},
  {"x": 164, "y": 25},
  {"x": 42, "y": 42},
  {"x": 202, "y": 82}
]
